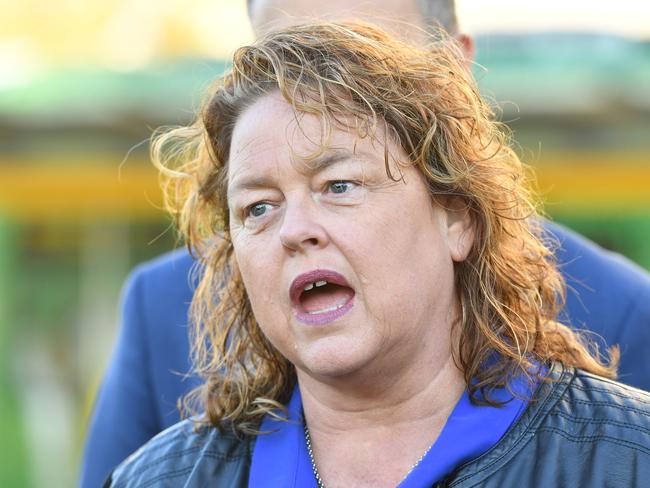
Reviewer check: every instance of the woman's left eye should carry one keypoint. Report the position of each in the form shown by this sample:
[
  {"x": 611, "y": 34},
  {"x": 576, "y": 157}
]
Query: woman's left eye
[{"x": 340, "y": 186}]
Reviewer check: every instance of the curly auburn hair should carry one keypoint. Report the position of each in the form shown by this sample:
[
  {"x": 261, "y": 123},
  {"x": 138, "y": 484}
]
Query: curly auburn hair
[{"x": 509, "y": 288}]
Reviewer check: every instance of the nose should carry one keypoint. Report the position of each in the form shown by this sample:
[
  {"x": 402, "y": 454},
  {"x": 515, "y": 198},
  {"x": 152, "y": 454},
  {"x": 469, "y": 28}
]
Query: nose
[{"x": 300, "y": 230}]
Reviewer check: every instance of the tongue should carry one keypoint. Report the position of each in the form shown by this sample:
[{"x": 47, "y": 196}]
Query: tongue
[{"x": 325, "y": 297}]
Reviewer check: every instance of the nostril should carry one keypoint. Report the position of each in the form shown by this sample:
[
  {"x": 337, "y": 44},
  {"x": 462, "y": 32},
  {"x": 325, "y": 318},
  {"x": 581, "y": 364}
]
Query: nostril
[
  {"x": 304, "y": 243},
  {"x": 312, "y": 240}
]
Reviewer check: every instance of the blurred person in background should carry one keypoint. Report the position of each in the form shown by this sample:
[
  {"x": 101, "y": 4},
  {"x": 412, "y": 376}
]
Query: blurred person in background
[
  {"x": 389, "y": 314},
  {"x": 147, "y": 372}
]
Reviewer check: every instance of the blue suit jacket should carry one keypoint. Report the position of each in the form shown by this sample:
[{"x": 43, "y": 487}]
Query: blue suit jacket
[{"x": 607, "y": 294}]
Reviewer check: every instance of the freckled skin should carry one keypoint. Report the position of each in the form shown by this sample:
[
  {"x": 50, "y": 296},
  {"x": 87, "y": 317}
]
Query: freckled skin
[{"x": 392, "y": 243}]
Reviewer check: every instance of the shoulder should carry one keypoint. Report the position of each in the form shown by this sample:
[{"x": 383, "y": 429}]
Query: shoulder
[
  {"x": 608, "y": 295},
  {"x": 186, "y": 455},
  {"x": 159, "y": 291},
  {"x": 592, "y": 409},
  {"x": 174, "y": 267},
  {"x": 583, "y": 259},
  {"x": 588, "y": 387},
  {"x": 579, "y": 430}
]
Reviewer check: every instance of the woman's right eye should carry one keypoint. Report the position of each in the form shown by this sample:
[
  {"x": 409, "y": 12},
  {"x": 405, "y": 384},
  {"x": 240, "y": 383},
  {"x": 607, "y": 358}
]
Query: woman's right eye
[{"x": 257, "y": 210}]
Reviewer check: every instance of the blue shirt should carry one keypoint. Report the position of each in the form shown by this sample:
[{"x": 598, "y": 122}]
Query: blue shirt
[{"x": 281, "y": 460}]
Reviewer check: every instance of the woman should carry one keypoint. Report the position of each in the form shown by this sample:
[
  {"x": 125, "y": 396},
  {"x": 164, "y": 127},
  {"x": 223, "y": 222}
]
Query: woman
[{"x": 376, "y": 306}]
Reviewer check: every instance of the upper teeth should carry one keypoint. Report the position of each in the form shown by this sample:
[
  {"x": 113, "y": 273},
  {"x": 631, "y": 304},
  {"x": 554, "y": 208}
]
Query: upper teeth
[{"x": 317, "y": 284}]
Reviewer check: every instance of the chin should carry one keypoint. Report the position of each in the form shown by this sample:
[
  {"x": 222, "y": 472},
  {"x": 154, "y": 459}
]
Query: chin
[{"x": 332, "y": 360}]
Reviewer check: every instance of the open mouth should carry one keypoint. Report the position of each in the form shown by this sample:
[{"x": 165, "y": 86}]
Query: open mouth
[{"x": 321, "y": 296}]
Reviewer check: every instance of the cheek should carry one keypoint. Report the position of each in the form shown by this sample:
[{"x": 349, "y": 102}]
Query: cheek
[
  {"x": 251, "y": 262},
  {"x": 401, "y": 254},
  {"x": 261, "y": 276},
  {"x": 393, "y": 234},
  {"x": 260, "y": 270}
]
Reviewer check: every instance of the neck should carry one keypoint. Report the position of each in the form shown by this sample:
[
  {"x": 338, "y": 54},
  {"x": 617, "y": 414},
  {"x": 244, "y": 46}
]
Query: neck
[
  {"x": 372, "y": 433},
  {"x": 344, "y": 403}
]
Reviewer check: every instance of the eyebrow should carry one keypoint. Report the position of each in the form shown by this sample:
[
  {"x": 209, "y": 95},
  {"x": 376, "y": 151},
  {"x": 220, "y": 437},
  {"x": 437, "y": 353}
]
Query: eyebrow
[
  {"x": 312, "y": 166},
  {"x": 321, "y": 162}
]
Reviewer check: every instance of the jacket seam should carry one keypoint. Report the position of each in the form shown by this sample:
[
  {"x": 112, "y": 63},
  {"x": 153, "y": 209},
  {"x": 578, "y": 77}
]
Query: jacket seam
[
  {"x": 613, "y": 405},
  {"x": 586, "y": 420},
  {"x": 591, "y": 438},
  {"x": 179, "y": 454},
  {"x": 610, "y": 392}
]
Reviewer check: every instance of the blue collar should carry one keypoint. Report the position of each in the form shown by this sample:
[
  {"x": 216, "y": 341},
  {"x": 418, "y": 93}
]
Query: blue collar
[{"x": 280, "y": 459}]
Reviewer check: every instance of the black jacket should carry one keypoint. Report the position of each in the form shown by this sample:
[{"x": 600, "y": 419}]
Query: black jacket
[{"x": 580, "y": 431}]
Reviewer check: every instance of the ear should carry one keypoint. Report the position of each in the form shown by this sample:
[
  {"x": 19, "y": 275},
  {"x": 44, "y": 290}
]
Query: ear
[
  {"x": 460, "y": 228},
  {"x": 467, "y": 45}
]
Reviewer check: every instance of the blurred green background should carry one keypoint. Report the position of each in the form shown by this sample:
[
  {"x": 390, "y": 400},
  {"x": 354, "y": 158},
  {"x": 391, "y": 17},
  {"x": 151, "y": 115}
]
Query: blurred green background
[{"x": 82, "y": 86}]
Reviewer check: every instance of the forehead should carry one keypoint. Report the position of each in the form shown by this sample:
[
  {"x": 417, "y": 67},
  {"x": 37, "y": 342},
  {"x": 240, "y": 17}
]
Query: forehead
[
  {"x": 270, "y": 133},
  {"x": 271, "y": 127}
]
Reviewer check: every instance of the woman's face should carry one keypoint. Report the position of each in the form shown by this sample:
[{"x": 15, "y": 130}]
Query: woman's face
[{"x": 346, "y": 270}]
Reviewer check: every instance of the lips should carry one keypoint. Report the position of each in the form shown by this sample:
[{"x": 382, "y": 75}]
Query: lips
[{"x": 320, "y": 296}]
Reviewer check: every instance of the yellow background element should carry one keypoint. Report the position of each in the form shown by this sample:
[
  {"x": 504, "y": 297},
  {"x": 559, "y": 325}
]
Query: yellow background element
[{"x": 73, "y": 189}]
